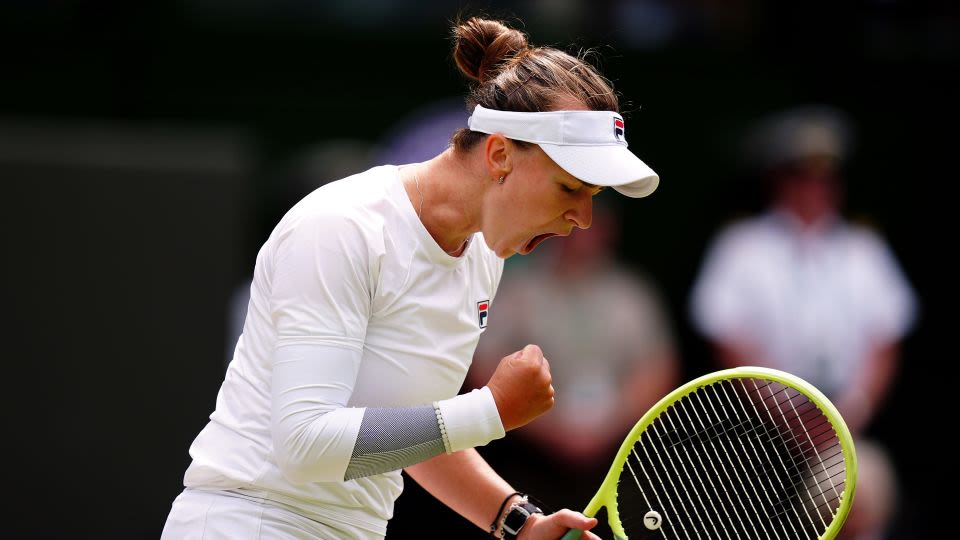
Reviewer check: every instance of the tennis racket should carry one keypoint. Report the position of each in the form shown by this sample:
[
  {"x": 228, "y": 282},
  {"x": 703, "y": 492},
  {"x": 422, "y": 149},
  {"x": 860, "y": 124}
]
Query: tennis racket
[{"x": 743, "y": 453}]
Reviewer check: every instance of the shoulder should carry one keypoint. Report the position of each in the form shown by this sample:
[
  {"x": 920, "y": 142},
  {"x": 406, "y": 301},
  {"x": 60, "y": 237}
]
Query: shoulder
[
  {"x": 745, "y": 234},
  {"x": 339, "y": 228},
  {"x": 354, "y": 197},
  {"x": 862, "y": 235},
  {"x": 864, "y": 243},
  {"x": 353, "y": 207}
]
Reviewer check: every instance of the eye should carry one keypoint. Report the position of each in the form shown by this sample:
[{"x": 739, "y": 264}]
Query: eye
[{"x": 568, "y": 189}]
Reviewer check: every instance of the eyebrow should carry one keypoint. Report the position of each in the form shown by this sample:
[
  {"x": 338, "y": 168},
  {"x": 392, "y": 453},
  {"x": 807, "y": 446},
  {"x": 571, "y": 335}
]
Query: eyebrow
[
  {"x": 591, "y": 186},
  {"x": 588, "y": 185}
]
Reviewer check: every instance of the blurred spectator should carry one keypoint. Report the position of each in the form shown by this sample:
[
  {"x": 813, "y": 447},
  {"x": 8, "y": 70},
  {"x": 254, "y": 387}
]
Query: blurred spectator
[
  {"x": 801, "y": 289},
  {"x": 606, "y": 333}
]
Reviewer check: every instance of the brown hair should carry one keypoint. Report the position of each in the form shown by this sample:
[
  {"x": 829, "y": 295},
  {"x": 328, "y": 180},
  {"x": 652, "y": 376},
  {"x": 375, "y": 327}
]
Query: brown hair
[{"x": 510, "y": 75}]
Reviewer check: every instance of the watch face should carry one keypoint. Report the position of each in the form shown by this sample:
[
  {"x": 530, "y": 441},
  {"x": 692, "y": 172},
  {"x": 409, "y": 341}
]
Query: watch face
[{"x": 517, "y": 517}]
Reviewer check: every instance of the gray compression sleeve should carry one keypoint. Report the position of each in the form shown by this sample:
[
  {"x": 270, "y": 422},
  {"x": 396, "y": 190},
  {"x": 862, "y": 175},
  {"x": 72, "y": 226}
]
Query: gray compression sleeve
[{"x": 393, "y": 438}]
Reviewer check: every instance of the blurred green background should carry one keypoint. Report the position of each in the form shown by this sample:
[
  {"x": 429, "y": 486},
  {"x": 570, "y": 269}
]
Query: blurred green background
[{"x": 144, "y": 148}]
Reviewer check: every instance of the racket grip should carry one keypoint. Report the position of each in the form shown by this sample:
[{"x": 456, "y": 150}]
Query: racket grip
[{"x": 572, "y": 534}]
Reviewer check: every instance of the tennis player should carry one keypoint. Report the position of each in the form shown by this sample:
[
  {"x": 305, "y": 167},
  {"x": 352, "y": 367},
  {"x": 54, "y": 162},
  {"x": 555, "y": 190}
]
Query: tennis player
[{"x": 368, "y": 300}]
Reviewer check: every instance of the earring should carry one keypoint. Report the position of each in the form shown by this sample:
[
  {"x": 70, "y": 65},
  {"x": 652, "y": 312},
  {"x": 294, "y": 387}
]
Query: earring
[{"x": 502, "y": 178}]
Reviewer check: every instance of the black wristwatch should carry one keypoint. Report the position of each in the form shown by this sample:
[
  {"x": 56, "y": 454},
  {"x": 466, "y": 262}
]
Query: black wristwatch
[{"x": 517, "y": 518}]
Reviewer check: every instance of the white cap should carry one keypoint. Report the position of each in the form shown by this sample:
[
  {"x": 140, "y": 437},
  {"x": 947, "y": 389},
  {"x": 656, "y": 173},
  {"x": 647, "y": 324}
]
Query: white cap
[{"x": 590, "y": 145}]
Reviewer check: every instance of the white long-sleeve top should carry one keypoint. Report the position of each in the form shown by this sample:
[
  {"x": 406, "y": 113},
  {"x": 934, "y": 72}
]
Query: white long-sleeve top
[{"x": 352, "y": 305}]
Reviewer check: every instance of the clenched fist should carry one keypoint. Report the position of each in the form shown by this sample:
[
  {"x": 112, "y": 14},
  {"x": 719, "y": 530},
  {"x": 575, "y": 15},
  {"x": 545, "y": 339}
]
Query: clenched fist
[{"x": 521, "y": 387}]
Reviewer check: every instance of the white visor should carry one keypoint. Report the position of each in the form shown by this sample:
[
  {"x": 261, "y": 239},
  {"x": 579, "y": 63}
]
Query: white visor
[{"x": 590, "y": 145}]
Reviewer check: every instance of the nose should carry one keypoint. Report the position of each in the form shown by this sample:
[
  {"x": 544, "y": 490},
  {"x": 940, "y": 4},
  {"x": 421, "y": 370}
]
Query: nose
[{"x": 581, "y": 214}]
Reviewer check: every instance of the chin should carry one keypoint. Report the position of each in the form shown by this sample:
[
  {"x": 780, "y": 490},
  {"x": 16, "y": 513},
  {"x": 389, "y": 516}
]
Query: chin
[{"x": 506, "y": 253}]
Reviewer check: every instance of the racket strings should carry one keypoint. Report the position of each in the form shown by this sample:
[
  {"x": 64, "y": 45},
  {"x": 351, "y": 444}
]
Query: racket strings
[
  {"x": 752, "y": 427},
  {"x": 715, "y": 452},
  {"x": 787, "y": 427},
  {"x": 715, "y": 430},
  {"x": 811, "y": 415},
  {"x": 759, "y": 433},
  {"x": 735, "y": 459},
  {"x": 682, "y": 497},
  {"x": 820, "y": 466},
  {"x": 710, "y": 519},
  {"x": 798, "y": 450},
  {"x": 827, "y": 505}
]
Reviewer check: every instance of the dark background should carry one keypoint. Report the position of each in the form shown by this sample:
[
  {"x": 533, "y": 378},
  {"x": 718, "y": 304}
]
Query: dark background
[{"x": 139, "y": 144}]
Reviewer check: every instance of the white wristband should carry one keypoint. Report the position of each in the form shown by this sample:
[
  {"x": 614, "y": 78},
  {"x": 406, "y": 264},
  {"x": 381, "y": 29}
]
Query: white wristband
[{"x": 469, "y": 420}]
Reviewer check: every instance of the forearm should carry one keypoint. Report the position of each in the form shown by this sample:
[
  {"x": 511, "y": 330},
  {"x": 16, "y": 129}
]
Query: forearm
[
  {"x": 883, "y": 368},
  {"x": 318, "y": 438},
  {"x": 445, "y": 476},
  {"x": 858, "y": 401}
]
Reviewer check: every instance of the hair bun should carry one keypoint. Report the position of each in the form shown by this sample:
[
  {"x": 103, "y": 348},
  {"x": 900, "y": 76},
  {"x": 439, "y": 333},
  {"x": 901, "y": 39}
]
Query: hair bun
[{"x": 482, "y": 46}]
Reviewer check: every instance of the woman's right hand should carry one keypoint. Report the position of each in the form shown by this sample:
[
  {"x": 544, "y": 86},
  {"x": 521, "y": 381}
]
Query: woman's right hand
[
  {"x": 557, "y": 525},
  {"x": 522, "y": 387}
]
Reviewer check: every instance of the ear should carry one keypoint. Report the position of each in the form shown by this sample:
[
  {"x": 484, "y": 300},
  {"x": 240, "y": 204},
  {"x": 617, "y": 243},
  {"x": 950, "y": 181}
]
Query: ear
[{"x": 498, "y": 154}]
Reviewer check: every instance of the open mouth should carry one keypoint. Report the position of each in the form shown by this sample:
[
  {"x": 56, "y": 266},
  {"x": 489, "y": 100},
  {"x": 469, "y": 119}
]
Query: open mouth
[{"x": 535, "y": 241}]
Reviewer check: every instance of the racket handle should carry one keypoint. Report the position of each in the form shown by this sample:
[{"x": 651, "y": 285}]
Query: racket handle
[{"x": 572, "y": 534}]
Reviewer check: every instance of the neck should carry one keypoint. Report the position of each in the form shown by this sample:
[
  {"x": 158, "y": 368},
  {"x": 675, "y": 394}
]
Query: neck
[{"x": 440, "y": 193}]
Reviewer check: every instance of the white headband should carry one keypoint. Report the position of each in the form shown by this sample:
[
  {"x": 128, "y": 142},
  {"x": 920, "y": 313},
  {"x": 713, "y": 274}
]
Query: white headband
[{"x": 590, "y": 145}]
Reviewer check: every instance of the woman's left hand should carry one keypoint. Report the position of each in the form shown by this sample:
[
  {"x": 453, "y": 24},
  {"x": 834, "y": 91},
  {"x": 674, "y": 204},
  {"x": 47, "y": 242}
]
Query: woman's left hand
[{"x": 555, "y": 525}]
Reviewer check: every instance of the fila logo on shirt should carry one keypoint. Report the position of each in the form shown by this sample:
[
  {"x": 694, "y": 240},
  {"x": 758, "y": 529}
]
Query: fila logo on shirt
[
  {"x": 483, "y": 308},
  {"x": 618, "y": 129}
]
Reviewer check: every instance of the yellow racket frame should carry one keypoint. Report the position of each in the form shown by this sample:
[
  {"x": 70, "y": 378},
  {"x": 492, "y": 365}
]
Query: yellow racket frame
[{"x": 606, "y": 496}]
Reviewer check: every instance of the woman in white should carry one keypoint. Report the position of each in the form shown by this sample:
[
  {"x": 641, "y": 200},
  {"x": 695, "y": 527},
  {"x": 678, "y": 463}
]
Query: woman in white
[{"x": 367, "y": 303}]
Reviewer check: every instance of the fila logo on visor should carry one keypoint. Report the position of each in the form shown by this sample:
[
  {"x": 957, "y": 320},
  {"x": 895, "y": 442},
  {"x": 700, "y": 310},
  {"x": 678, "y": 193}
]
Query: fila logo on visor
[
  {"x": 483, "y": 308},
  {"x": 618, "y": 129}
]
